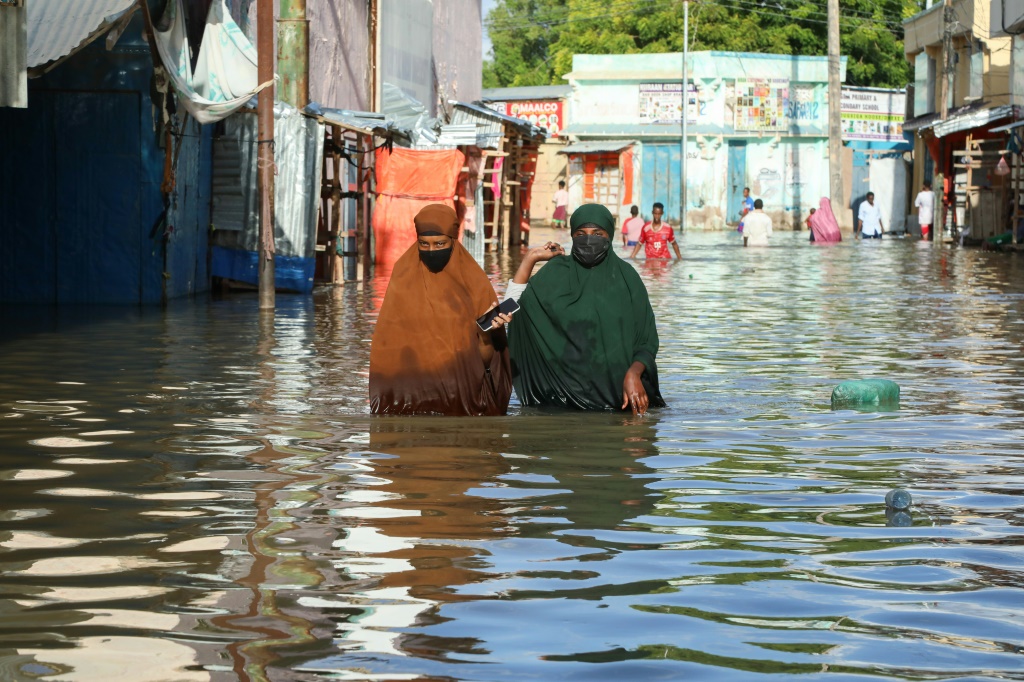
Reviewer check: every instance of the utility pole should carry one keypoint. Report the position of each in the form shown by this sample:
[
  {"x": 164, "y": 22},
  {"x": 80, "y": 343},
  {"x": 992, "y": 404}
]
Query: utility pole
[
  {"x": 947, "y": 58},
  {"x": 293, "y": 53},
  {"x": 265, "y": 150},
  {"x": 835, "y": 100},
  {"x": 686, "y": 113}
]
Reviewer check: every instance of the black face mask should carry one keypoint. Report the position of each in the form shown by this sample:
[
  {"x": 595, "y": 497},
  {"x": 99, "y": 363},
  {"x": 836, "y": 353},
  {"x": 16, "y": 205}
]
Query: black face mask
[
  {"x": 590, "y": 249},
  {"x": 436, "y": 260}
]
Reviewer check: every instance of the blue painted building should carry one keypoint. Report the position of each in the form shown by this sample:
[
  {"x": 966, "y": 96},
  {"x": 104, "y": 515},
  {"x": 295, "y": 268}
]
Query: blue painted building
[
  {"x": 753, "y": 120},
  {"x": 85, "y": 218}
]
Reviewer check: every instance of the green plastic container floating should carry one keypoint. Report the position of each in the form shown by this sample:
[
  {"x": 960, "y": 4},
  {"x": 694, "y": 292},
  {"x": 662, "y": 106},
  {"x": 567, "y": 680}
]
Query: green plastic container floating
[{"x": 866, "y": 392}]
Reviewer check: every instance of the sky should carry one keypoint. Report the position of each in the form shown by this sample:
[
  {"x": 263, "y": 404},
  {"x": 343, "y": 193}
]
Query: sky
[{"x": 487, "y": 5}]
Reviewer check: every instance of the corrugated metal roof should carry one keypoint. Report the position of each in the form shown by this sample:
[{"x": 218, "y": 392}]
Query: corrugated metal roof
[
  {"x": 596, "y": 146},
  {"x": 626, "y": 130},
  {"x": 57, "y": 28},
  {"x": 974, "y": 119},
  {"x": 478, "y": 110},
  {"x": 528, "y": 92},
  {"x": 489, "y": 131},
  {"x": 366, "y": 122}
]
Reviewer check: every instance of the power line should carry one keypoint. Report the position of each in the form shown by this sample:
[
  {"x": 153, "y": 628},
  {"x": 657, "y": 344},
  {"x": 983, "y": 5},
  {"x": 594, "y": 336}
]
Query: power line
[{"x": 502, "y": 25}]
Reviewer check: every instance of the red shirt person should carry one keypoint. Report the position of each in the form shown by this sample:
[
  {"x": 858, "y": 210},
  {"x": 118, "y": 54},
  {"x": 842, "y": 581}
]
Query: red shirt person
[{"x": 656, "y": 236}]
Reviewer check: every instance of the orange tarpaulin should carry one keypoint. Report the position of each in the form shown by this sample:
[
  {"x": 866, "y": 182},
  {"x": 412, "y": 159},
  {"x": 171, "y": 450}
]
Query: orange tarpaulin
[{"x": 408, "y": 180}]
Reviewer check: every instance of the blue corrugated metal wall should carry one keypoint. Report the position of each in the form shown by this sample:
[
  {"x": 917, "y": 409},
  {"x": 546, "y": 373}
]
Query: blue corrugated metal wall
[
  {"x": 96, "y": 177},
  {"x": 80, "y": 176},
  {"x": 28, "y": 206},
  {"x": 660, "y": 179}
]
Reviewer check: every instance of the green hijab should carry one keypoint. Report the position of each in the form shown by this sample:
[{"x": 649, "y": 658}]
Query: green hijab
[
  {"x": 592, "y": 214},
  {"x": 579, "y": 329}
]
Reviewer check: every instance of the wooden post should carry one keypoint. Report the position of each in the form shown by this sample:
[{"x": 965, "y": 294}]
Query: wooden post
[
  {"x": 337, "y": 240},
  {"x": 265, "y": 151},
  {"x": 367, "y": 183},
  {"x": 1017, "y": 170},
  {"x": 499, "y": 199},
  {"x": 515, "y": 236},
  {"x": 323, "y": 233},
  {"x": 360, "y": 212}
]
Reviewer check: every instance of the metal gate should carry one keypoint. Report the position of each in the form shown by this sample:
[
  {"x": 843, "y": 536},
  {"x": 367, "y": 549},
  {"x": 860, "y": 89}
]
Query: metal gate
[{"x": 660, "y": 179}]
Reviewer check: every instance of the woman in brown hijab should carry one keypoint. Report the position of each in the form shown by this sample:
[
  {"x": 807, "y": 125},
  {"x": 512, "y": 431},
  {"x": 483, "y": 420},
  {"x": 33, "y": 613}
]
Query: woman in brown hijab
[{"x": 428, "y": 356}]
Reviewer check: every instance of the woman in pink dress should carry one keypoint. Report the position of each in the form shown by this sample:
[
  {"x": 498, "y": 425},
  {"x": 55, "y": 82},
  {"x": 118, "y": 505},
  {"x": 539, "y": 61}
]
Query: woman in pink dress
[{"x": 824, "y": 227}]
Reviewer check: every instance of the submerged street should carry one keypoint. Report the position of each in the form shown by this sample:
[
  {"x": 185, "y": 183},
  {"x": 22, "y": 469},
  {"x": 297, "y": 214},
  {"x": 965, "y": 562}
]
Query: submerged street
[{"x": 193, "y": 493}]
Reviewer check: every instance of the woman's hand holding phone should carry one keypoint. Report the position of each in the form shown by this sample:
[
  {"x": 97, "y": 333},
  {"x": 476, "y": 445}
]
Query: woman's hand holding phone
[{"x": 498, "y": 316}]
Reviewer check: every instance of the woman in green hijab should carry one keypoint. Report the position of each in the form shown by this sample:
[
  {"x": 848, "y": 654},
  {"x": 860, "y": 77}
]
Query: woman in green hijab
[{"x": 584, "y": 336}]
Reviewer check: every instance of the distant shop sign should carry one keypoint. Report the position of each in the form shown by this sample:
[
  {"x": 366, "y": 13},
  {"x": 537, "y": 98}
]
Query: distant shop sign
[
  {"x": 546, "y": 114},
  {"x": 873, "y": 115},
  {"x": 762, "y": 104},
  {"x": 663, "y": 103}
]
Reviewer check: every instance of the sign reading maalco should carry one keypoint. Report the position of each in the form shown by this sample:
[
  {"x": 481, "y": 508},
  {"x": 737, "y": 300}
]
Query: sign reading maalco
[
  {"x": 873, "y": 114},
  {"x": 544, "y": 114}
]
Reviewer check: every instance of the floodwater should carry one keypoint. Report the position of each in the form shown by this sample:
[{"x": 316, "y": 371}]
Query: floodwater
[{"x": 192, "y": 494}]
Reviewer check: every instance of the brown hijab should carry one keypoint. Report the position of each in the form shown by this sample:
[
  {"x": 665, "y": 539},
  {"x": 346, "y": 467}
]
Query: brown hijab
[{"x": 425, "y": 357}]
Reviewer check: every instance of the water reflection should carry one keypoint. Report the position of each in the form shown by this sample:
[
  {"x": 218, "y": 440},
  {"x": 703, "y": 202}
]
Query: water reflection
[{"x": 197, "y": 493}]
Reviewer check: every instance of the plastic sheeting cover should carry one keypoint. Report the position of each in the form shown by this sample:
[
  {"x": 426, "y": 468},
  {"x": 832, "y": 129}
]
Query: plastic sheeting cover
[
  {"x": 225, "y": 77},
  {"x": 408, "y": 180}
]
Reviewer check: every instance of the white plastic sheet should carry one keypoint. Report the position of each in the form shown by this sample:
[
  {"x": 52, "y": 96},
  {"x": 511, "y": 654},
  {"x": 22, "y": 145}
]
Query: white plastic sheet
[{"x": 226, "y": 74}]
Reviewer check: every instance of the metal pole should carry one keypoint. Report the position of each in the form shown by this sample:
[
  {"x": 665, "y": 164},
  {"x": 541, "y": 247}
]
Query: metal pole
[
  {"x": 265, "y": 150},
  {"x": 686, "y": 112},
  {"x": 835, "y": 98},
  {"x": 293, "y": 52},
  {"x": 947, "y": 44}
]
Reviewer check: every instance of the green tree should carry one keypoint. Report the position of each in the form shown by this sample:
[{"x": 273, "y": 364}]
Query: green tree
[{"x": 534, "y": 40}]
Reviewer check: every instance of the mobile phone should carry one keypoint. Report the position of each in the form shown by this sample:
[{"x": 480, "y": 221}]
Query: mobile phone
[{"x": 509, "y": 305}]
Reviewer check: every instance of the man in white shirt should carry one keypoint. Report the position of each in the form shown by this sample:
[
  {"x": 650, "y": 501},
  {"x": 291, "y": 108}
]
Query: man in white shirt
[
  {"x": 757, "y": 226},
  {"x": 869, "y": 219},
  {"x": 925, "y": 203}
]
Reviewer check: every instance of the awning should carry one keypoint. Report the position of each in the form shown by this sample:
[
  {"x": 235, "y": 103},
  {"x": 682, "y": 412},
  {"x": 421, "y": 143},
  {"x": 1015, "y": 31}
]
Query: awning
[
  {"x": 597, "y": 146},
  {"x": 362, "y": 122},
  {"x": 477, "y": 111},
  {"x": 625, "y": 130},
  {"x": 58, "y": 28},
  {"x": 974, "y": 119},
  {"x": 530, "y": 92}
]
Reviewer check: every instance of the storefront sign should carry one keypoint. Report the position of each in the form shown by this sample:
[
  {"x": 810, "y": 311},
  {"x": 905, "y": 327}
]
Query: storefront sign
[
  {"x": 873, "y": 115},
  {"x": 546, "y": 114},
  {"x": 804, "y": 107},
  {"x": 762, "y": 104},
  {"x": 662, "y": 103}
]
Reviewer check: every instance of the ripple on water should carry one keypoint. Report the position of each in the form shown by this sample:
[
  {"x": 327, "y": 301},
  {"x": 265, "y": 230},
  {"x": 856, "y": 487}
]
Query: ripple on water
[
  {"x": 67, "y": 442},
  {"x": 87, "y": 565},
  {"x": 34, "y": 474}
]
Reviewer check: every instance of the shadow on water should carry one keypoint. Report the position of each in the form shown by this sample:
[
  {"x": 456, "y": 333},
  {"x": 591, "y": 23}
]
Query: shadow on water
[{"x": 198, "y": 493}]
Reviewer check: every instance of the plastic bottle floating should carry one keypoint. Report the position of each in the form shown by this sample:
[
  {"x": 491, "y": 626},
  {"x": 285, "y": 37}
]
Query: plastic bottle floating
[
  {"x": 866, "y": 392},
  {"x": 898, "y": 498}
]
